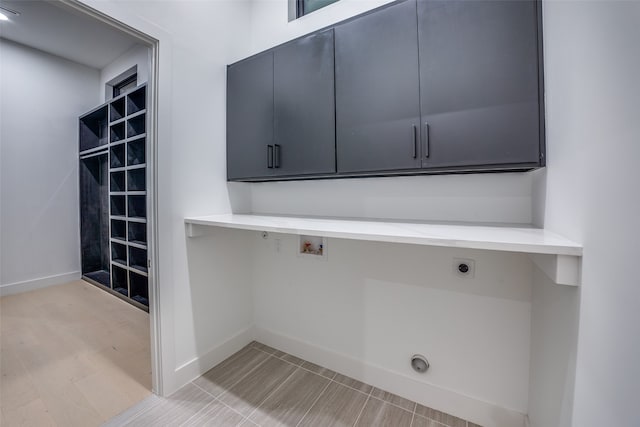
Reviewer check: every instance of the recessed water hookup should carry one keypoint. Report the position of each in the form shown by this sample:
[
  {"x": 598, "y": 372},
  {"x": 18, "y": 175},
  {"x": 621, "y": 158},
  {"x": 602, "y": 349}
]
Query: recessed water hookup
[
  {"x": 419, "y": 363},
  {"x": 312, "y": 247}
]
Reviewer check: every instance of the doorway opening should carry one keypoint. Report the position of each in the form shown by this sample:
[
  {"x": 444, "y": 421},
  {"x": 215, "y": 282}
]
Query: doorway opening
[{"x": 63, "y": 60}]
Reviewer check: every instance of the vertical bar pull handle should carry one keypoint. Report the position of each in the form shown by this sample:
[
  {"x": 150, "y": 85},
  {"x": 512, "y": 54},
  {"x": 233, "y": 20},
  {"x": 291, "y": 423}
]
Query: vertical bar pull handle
[
  {"x": 270, "y": 156},
  {"x": 426, "y": 139},
  {"x": 276, "y": 156},
  {"x": 415, "y": 141}
]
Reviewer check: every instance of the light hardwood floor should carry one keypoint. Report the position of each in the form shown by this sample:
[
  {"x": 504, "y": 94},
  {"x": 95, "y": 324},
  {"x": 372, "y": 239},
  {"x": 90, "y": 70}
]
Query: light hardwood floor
[
  {"x": 71, "y": 355},
  {"x": 262, "y": 386}
]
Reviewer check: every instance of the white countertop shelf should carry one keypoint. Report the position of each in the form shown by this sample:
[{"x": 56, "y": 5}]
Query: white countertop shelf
[{"x": 553, "y": 253}]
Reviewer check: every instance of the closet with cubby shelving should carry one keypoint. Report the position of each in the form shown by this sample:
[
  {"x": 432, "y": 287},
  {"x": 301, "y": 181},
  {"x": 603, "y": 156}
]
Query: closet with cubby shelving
[{"x": 113, "y": 196}]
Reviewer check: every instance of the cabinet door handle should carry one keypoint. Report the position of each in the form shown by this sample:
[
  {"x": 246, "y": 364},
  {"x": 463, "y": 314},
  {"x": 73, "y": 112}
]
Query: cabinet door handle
[
  {"x": 415, "y": 141},
  {"x": 276, "y": 156},
  {"x": 270, "y": 156},
  {"x": 426, "y": 139}
]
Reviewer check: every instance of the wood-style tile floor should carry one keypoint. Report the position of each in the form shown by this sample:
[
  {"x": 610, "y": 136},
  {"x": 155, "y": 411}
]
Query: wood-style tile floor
[
  {"x": 71, "y": 355},
  {"x": 262, "y": 386}
]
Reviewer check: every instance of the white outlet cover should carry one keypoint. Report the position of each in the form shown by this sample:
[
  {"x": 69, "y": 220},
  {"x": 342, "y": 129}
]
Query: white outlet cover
[{"x": 472, "y": 267}]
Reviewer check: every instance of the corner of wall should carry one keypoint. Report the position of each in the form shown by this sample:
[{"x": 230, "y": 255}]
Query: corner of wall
[
  {"x": 554, "y": 340},
  {"x": 538, "y": 196}
]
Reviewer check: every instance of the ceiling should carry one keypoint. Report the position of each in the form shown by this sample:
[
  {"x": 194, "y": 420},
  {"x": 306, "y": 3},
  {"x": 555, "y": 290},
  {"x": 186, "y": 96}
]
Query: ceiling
[{"x": 56, "y": 28}]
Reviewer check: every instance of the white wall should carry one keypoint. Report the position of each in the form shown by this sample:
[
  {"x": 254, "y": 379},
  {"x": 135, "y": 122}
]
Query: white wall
[
  {"x": 42, "y": 97},
  {"x": 554, "y": 336},
  {"x": 592, "y": 196},
  {"x": 204, "y": 289},
  {"x": 502, "y": 198},
  {"x": 270, "y": 25},
  {"x": 138, "y": 55},
  {"x": 381, "y": 303}
]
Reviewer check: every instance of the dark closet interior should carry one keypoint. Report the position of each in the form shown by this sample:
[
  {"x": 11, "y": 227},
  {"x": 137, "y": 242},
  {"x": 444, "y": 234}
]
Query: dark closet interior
[{"x": 113, "y": 197}]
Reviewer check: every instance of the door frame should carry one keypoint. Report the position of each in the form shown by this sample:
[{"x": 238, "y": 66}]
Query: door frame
[{"x": 152, "y": 160}]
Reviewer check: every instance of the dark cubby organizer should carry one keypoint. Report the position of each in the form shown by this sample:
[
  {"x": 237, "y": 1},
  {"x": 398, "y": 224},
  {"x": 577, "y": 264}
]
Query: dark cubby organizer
[
  {"x": 136, "y": 126},
  {"x": 119, "y": 253},
  {"x": 114, "y": 249},
  {"x": 118, "y": 206},
  {"x": 138, "y": 259},
  {"x": 137, "y": 233},
  {"x": 117, "y": 132},
  {"x": 119, "y": 229},
  {"x": 93, "y": 129},
  {"x": 136, "y": 180},
  {"x": 100, "y": 276},
  {"x": 137, "y": 206},
  {"x": 139, "y": 288},
  {"x": 117, "y": 182},
  {"x": 117, "y": 156},
  {"x": 136, "y": 152},
  {"x": 119, "y": 279},
  {"x": 137, "y": 100},
  {"x": 116, "y": 110},
  {"x": 94, "y": 218}
]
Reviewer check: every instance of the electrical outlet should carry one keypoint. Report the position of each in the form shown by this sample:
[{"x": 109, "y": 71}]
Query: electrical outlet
[
  {"x": 277, "y": 245},
  {"x": 464, "y": 267}
]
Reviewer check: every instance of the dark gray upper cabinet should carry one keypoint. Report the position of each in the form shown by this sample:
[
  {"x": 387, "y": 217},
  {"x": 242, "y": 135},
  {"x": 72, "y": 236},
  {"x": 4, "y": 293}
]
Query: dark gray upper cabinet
[
  {"x": 250, "y": 117},
  {"x": 304, "y": 126},
  {"x": 377, "y": 91},
  {"x": 479, "y": 83},
  {"x": 415, "y": 86}
]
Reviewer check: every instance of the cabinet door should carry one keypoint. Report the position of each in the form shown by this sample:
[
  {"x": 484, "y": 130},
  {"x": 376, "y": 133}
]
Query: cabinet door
[
  {"x": 377, "y": 91},
  {"x": 479, "y": 82},
  {"x": 304, "y": 130},
  {"x": 250, "y": 117}
]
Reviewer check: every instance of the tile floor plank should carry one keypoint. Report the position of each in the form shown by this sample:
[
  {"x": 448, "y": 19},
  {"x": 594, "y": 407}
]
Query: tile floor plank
[
  {"x": 134, "y": 412},
  {"x": 217, "y": 380},
  {"x": 382, "y": 414},
  {"x": 215, "y": 415},
  {"x": 338, "y": 406},
  {"x": 291, "y": 401},
  {"x": 394, "y": 399},
  {"x": 419, "y": 421},
  {"x": 320, "y": 370},
  {"x": 440, "y": 417},
  {"x": 174, "y": 410},
  {"x": 268, "y": 349},
  {"x": 292, "y": 359},
  {"x": 249, "y": 393},
  {"x": 350, "y": 382}
]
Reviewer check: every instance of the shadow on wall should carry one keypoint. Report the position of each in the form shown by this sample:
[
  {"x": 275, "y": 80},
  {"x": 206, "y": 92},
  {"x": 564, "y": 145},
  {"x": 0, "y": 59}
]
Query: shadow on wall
[
  {"x": 219, "y": 295},
  {"x": 376, "y": 304},
  {"x": 554, "y": 341},
  {"x": 538, "y": 197},
  {"x": 497, "y": 197}
]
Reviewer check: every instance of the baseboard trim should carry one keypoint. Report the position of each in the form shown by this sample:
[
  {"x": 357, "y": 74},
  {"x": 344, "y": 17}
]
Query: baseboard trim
[
  {"x": 192, "y": 369},
  {"x": 42, "y": 282},
  {"x": 469, "y": 408}
]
